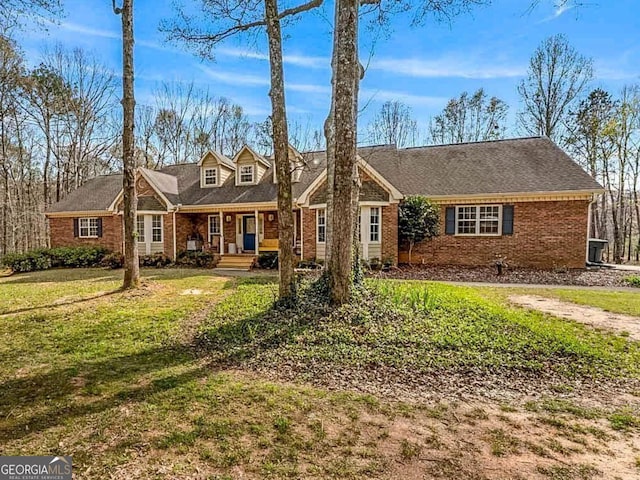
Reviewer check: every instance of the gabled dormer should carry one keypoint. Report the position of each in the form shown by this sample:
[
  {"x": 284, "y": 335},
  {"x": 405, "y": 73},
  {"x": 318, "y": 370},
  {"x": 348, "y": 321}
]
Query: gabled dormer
[
  {"x": 296, "y": 165},
  {"x": 215, "y": 168},
  {"x": 250, "y": 166}
]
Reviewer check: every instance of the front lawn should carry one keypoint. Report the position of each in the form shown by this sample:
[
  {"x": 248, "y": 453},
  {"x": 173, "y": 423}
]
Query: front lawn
[
  {"x": 415, "y": 326},
  {"x": 184, "y": 379}
]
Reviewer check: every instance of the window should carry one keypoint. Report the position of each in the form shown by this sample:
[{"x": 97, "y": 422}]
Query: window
[
  {"x": 214, "y": 226},
  {"x": 478, "y": 220},
  {"x": 322, "y": 225},
  {"x": 88, "y": 227},
  {"x": 210, "y": 176},
  {"x": 140, "y": 228},
  {"x": 156, "y": 228},
  {"x": 374, "y": 224},
  {"x": 246, "y": 174}
]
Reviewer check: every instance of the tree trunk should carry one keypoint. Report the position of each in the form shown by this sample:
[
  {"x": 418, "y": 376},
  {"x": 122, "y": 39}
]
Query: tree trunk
[
  {"x": 344, "y": 93},
  {"x": 281, "y": 151},
  {"x": 330, "y": 137},
  {"x": 131, "y": 267}
]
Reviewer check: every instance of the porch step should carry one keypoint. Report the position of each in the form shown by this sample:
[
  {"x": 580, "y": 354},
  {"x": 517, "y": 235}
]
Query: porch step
[{"x": 236, "y": 262}]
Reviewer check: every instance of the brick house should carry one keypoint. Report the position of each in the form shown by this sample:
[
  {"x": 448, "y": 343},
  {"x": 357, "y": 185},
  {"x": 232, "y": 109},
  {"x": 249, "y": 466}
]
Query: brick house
[{"x": 523, "y": 199}]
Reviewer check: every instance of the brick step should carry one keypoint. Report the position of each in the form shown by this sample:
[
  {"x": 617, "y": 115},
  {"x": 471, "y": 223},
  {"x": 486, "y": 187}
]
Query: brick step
[{"x": 236, "y": 262}]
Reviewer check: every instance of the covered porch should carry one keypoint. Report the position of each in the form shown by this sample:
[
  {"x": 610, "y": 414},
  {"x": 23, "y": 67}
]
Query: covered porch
[{"x": 233, "y": 231}]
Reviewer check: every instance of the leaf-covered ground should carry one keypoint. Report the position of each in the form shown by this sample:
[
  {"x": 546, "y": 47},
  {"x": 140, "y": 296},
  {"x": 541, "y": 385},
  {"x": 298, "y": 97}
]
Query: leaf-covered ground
[{"x": 198, "y": 376}]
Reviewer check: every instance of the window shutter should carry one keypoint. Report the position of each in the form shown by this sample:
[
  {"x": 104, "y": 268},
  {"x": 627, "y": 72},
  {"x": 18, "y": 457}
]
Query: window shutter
[
  {"x": 507, "y": 220},
  {"x": 99, "y": 227},
  {"x": 76, "y": 228},
  {"x": 450, "y": 224}
]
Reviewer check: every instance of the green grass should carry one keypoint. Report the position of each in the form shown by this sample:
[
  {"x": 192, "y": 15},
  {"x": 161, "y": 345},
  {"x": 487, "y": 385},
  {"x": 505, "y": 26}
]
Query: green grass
[
  {"x": 626, "y": 302},
  {"x": 114, "y": 379},
  {"x": 417, "y": 326}
]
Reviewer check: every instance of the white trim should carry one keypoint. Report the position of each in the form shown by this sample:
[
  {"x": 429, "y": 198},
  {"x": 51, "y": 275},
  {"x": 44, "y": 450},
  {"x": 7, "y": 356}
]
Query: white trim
[
  {"x": 203, "y": 177},
  {"x": 478, "y": 220},
  {"x": 318, "y": 226},
  {"x": 209, "y": 234},
  {"x": 394, "y": 194},
  {"x": 88, "y": 227},
  {"x": 167, "y": 203},
  {"x": 239, "y": 174},
  {"x": 254, "y": 154},
  {"x": 379, "y": 241},
  {"x": 220, "y": 158},
  {"x": 79, "y": 213}
]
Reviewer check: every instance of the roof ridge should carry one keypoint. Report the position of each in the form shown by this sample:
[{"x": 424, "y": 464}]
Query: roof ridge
[{"x": 512, "y": 139}]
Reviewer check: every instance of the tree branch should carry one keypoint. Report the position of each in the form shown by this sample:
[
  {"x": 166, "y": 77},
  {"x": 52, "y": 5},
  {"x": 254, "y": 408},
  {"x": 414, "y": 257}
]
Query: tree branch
[
  {"x": 116, "y": 10},
  {"x": 243, "y": 27}
]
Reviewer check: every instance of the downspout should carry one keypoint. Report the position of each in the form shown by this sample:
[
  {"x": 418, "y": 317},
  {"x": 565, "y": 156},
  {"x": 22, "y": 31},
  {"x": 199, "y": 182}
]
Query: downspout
[
  {"x": 175, "y": 246},
  {"x": 593, "y": 200}
]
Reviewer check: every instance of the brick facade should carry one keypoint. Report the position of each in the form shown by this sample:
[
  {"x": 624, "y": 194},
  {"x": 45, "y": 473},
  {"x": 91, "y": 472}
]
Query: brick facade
[
  {"x": 390, "y": 233},
  {"x": 546, "y": 235},
  {"x": 308, "y": 234},
  {"x": 61, "y": 230}
]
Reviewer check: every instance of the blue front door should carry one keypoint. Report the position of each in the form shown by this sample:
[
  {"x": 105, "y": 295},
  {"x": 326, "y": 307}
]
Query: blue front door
[{"x": 249, "y": 235}]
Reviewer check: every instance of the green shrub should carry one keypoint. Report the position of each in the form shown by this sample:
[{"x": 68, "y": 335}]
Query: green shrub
[
  {"x": 113, "y": 261},
  {"x": 157, "y": 260},
  {"x": 196, "y": 259},
  {"x": 268, "y": 260},
  {"x": 59, "y": 257},
  {"x": 633, "y": 280}
]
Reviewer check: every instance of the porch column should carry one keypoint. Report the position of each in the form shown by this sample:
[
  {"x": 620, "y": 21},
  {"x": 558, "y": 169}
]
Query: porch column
[
  {"x": 257, "y": 240},
  {"x": 221, "y": 233}
]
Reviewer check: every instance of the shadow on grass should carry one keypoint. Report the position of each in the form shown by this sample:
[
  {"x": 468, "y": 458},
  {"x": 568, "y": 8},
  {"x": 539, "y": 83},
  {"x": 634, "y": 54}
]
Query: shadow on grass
[
  {"x": 56, "y": 275},
  {"x": 5, "y": 313},
  {"x": 83, "y": 389},
  {"x": 38, "y": 402}
]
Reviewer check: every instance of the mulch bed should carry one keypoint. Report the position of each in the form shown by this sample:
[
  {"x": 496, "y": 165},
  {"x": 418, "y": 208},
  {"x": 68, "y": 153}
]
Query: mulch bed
[{"x": 603, "y": 277}]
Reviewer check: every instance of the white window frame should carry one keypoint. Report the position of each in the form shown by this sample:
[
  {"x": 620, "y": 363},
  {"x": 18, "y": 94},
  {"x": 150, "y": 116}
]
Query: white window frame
[
  {"x": 85, "y": 223},
  {"x": 153, "y": 228},
  {"x": 205, "y": 178},
  {"x": 378, "y": 224},
  {"x": 141, "y": 234},
  {"x": 324, "y": 225},
  {"x": 211, "y": 233},
  {"x": 241, "y": 173},
  {"x": 478, "y": 220}
]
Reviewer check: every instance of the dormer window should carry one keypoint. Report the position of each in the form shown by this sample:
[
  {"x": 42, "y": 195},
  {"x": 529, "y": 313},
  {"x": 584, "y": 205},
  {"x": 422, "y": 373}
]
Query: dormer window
[
  {"x": 246, "y": 174},
  {"x": 210, "y": 177}
]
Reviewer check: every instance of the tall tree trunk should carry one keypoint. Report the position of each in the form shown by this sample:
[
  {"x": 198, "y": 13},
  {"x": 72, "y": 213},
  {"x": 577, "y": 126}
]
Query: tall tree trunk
[
  {"x": 344, "y": 93},
  {"x": 330, "y": 137},
  {"x": 131, "y": 267},
  {"x": 281, "y": 151}
]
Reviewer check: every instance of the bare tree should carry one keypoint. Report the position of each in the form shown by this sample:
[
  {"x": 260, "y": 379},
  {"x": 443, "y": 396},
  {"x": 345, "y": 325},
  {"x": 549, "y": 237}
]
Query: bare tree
[
  {"x": 238, "y": 17},
  {"x": 14, "y": 12},
  {"x": 131, "y": 266},
  {"x": 394, "y": 125},
  {"x": 556, "y": 78},
  {"x": 470, "y": 119},
  {"x": 593, "y": 148}
]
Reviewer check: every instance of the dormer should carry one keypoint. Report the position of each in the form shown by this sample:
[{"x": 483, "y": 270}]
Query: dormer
[
  {"x": 250, "y": 166},
  {"x": 296, "y": 165},
  {"x": 215, "y": 168}
]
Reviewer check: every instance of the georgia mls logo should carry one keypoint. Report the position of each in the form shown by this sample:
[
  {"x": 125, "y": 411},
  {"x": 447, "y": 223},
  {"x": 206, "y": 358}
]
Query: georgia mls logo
[{"x": 35, "y": 468}]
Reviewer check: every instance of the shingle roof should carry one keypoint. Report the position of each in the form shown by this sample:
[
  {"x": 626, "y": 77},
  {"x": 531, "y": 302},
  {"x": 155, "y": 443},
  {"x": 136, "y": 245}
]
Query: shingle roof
[
  {"x": 524, "y": 165},
  {"x": 95, "y": 195}
]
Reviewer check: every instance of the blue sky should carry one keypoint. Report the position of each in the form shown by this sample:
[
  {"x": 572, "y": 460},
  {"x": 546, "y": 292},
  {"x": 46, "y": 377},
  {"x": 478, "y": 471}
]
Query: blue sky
[{"x": 421, "y": 66}]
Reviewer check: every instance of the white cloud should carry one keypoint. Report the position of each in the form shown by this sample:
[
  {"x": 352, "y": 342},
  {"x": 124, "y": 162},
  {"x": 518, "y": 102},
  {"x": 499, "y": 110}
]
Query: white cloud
[
  {"x": 450, "y": 67},
  {"x": 291, "y": 59},
  {"x": 559, "y": 10},
  {"x": 250, "y": 80},
  {"x": 367, "y": 94}
]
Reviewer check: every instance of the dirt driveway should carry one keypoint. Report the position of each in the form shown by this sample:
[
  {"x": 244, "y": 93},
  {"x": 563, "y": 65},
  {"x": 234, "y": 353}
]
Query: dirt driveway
[{"x": 595, "y": 317}]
